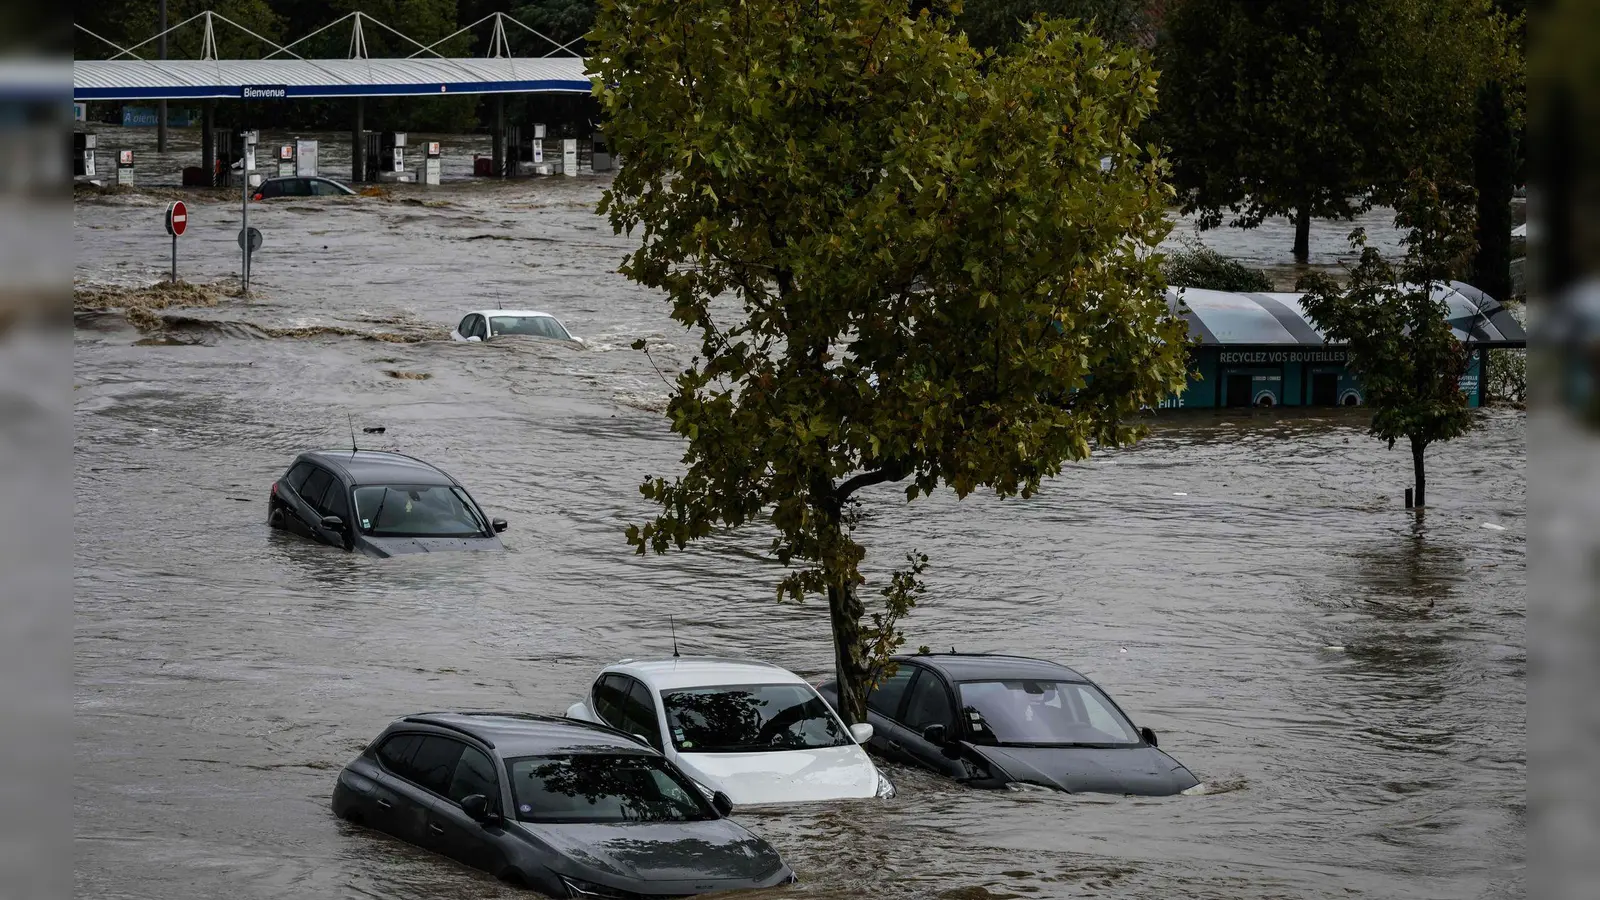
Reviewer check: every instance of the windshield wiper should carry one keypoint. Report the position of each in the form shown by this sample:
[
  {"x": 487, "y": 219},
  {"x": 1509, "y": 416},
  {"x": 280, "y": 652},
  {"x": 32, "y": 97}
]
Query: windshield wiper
[{"x": 379, "y": 514}]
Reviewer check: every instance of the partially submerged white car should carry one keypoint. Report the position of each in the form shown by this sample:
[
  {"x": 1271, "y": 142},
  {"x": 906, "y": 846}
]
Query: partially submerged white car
[
  {"x": 486, "y": 324},
  {"x": 754, "y": 731}
]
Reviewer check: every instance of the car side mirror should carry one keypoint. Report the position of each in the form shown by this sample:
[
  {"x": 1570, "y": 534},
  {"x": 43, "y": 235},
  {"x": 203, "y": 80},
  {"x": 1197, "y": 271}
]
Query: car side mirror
[
  {"x": 498, "y": 525},
  {"x": 333, "y": 523},
  {"x": 721, "y": 803},
  {"x": 934, "y": 734},
  {"x": 476, "y": 806},
  {"x": 1148, "y": 735},
  {"x": 861, "y": 732}
]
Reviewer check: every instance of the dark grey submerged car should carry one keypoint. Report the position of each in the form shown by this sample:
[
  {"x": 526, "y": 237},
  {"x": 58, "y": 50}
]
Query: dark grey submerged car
[
  {"x": 380, "y": 503},
  {"x": 991, "y": 720},
  {"x": 569, "y": 808}
]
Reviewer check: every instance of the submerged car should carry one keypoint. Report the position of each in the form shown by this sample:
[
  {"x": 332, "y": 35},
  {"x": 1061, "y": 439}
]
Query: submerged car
[
  {"x": 753, "y": 731},
  {"x": 300, "y": 186},
  {"x": 487, "y": 324},
  {"x": 380, "y": 503},
  {"x": 571, "y": 809},
  {"x": 990, "y": 721}
]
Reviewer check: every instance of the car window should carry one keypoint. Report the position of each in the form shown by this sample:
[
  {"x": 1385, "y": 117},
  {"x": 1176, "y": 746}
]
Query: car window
[
  {"x": 416, "y": 510},
  {"x": 639, "y": 711},
  {"x": 270, "y": 189},
  {"x": 745, "y": 718},
  {"x": 296, "y": 478},
  {"x": 396, "y": 752},
  {"x": 465, "y": 328},
  {"x": 930, "y": 703},
  {"x": 474, "y": 775},
  {"x": 885, "y": 698},
  {"x": 604, "y": 787},
  {"x": 536, "y": 326},
  {"x": 336, "y": 501},
  {"x": 609, "y": 692},
  {"x": 433, "y": 766},
  {"x": 323, "y": 188},
  {"x": 1026, "y": 711},
  {"x": 479, "y": 328},
  {"x": 296, "y": 187},
  {"x": 316, "y": 485}
]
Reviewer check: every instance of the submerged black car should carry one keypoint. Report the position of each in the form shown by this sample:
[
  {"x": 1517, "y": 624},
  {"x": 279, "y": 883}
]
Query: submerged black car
[
  {"x": 569, "y": 808},
  {"x": 991, "y": 720},
  {"x": 380, "y": 503}
]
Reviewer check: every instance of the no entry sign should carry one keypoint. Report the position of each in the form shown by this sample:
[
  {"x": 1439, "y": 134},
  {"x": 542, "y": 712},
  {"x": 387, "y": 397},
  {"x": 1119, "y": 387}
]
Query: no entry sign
[
  {"x": 177, "y": 218},
  {"x": 177, "y": 223}
]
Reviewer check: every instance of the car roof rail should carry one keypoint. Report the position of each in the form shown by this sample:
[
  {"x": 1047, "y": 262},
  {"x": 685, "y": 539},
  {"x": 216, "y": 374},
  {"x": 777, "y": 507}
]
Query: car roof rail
[{"x": 423, "y": 720}]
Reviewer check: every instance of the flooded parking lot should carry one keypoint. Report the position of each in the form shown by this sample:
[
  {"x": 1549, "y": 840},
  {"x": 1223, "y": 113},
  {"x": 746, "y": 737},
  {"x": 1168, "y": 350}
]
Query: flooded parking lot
[{"x": 1346, "y": 678}]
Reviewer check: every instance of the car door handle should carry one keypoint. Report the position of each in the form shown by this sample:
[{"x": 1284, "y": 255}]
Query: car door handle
[
  {"x": 894, "y": 745},
  {"x": 385, "y": 804},
  {"x": 435, "y": 828}
]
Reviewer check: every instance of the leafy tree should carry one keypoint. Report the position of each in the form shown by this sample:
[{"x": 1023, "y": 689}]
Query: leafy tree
[
  {"x": 561, "y": 20},
  {"x": 1197, "y": 266},
  {"x": 1269, "y": 108},
  {"x": 999, "y": 24},
  {"x": 1322, "y": 108},
  {"x": 1400, "y": 344},
  {"x": 901, "y": 262}
]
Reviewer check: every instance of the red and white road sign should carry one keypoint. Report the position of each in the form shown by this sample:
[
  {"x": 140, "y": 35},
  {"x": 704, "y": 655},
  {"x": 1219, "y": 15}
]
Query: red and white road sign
[{"x": 177, "y": 218}]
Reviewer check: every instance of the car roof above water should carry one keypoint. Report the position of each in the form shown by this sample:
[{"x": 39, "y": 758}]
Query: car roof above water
[
  {"x": 379, "y": 467},
  {"x": 514, "y": 313},
  {"x": 980, "y": 666},
  {"x": 526, "y": 734},
  {"x": 703, "y": 671}
]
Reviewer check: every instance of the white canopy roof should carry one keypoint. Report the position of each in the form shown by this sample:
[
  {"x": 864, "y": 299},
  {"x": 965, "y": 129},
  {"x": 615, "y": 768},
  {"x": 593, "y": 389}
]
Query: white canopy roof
[{"x": 268, "y": 79}]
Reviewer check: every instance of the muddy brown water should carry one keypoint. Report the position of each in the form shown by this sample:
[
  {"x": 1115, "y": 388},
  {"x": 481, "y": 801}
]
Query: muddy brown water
[{"x": 1347, "y": 679}]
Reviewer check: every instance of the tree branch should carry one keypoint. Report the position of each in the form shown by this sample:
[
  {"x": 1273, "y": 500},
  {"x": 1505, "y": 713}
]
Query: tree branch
[{"x": 892, "y": 472}]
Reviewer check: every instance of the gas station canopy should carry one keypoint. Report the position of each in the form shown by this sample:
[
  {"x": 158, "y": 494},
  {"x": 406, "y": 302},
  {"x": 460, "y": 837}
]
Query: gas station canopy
[
  {"x": 277, "y": 79},
  {"x": 1227, "y": 319}
]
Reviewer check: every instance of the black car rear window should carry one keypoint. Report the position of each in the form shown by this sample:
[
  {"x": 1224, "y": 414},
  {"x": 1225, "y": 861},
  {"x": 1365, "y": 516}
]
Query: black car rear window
[
  {"x": 296, "y": 478},
  {"x": 316, "y": 484}
]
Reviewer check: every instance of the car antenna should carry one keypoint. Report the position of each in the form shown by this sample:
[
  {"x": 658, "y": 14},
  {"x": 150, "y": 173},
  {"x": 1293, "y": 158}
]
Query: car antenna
[
  {"x": 674, "y": 627},
  {"x": 352, "y": 421}
]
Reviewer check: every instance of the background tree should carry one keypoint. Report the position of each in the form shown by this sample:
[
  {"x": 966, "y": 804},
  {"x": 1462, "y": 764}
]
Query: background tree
[
  {"x": 999, "y": 24},
  {"x": 1401, "y": 347},
  {"x": 1322, "y": 108},
  {"x": 901, "y": 264}
]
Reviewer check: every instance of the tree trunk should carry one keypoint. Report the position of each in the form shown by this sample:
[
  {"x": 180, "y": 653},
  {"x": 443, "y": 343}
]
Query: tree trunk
[
  {"x": 1302, "y": 234},
  {"x": 1421, "y": 477},
  {"x": 849, "y": 664}
]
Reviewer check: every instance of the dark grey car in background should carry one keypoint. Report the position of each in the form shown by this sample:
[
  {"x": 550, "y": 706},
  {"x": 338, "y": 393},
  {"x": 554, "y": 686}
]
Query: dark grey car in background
[
  {"x": 990, "y": 720},
  {"x": 569, "y": 808},
  {"x": 380, "y": 503}
]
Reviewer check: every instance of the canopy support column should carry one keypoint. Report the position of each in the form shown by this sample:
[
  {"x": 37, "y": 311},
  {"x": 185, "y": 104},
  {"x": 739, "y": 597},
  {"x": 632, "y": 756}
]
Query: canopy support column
[
  {"x": 499, "y": 137},
  {"x": 208, "y": 144},
  {"x": 358, "y": 144}
]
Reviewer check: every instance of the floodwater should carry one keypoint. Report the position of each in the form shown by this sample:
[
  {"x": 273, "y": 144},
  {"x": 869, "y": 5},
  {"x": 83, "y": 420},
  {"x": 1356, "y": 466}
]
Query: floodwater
[{"x": 1347, "y": 678}]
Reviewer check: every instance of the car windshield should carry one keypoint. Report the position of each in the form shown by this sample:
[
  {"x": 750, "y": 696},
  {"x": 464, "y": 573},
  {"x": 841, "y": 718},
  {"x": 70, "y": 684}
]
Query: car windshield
[
  {"x": 411, "y": 510},
  {"x": 748, "y": 718},
  {"x": 536, "y": 326},
  {"x": 1043, "y": 712},
  {"x": 603, "y": 787}
]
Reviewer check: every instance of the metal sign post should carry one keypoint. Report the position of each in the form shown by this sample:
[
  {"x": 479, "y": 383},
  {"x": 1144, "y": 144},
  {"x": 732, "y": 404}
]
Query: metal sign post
[{"x": 177, "y": 224}]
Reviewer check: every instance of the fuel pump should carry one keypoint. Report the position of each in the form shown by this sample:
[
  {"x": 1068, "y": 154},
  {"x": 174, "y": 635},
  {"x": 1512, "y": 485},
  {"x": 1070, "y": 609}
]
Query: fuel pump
[{"x": 431, "y": 163}]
